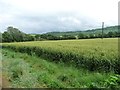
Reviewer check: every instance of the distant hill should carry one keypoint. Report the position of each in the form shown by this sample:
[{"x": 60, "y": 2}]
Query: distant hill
[
  {"x": 93, "y": 31},
  {"x": 15, "y": 35}
]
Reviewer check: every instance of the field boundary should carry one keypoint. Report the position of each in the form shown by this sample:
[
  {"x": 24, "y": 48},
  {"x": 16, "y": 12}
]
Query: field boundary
[{"x": 91, "y": 64}]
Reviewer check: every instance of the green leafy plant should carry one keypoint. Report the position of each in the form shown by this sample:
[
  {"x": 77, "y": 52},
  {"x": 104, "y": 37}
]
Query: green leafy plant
[{"x": 113, "y": 82}]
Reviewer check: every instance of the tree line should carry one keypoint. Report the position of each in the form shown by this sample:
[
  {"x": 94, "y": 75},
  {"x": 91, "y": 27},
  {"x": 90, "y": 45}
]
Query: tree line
[{"x": 15, "y": 35}]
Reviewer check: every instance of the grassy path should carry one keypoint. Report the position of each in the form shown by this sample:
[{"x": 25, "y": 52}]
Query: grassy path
[{"x": 25, "y": 71}]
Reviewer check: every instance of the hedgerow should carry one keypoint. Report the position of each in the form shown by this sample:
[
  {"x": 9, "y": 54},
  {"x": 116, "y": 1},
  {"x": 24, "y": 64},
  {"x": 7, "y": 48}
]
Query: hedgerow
[{"x": 92, "y": 60}]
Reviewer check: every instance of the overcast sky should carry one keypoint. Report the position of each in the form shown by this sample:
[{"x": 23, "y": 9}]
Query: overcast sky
[{"x": 40, "y": 16}]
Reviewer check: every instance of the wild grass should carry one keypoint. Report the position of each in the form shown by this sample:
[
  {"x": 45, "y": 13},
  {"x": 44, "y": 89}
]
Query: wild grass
[{"x": 25, "y": 71}]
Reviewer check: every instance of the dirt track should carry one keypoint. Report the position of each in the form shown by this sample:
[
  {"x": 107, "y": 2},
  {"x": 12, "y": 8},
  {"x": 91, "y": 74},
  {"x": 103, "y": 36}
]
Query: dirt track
[{"x": 4, "y": 83}]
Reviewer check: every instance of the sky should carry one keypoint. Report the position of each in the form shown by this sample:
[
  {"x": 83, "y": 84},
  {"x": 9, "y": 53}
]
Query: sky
[{"x": 41, "y": 16}]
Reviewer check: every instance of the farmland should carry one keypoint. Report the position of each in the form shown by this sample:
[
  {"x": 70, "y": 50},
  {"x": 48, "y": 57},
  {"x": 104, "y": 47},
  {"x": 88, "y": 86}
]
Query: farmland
[
  {"x": 97, "y": 55},
  {"x": 25, "y": 71},
  {"x": 93, "y": 54}
]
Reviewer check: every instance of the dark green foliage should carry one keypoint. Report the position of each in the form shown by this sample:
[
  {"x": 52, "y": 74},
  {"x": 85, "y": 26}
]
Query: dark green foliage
[
  {"x": 117, "y": 66},
  {"x": 81, "y": 35},
  {"x": 63, "y": 78},
  {"x": 6, "y": 37},
  {"x": 14, "y": 35},
  {"x": 90, "y": 63},
  {"x": 0, "y": 37},
  {"x": 26, "y": 73},
  {"x": 113, "y": 82},
  {"x": 65, "y": 37},
  {"x": 86, "y": 32}
]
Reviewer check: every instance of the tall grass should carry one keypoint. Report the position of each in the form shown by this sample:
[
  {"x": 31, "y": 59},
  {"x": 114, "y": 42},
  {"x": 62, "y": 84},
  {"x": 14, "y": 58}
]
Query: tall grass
[{"x": 25, "y": 71}]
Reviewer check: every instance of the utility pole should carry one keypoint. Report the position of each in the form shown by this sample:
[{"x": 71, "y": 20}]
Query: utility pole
[{"x": 102, "y": 29}]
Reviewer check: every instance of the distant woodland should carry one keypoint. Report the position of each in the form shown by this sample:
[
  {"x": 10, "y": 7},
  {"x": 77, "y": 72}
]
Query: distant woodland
[{"x": 15, "y": 35}]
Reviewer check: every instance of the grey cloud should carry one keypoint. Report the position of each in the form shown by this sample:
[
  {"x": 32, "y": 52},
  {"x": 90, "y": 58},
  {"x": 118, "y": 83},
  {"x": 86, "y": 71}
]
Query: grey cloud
[
  {"x": 43, "y": 23},
  {"x": 31, "y": 22}
]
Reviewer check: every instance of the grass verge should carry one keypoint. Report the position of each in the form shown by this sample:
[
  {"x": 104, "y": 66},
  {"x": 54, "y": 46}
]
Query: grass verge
[{"x": 25, "y": 71}]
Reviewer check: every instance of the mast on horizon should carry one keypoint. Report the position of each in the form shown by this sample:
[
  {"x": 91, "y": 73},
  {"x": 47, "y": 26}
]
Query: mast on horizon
[{"x": 102, "y": 29}]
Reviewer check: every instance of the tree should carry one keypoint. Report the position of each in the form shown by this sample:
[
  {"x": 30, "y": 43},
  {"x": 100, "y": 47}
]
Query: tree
[
  {"x": 15, "y": 35},
  {"x": 7, "y": 37},
  {"x": 65, "y": 37},
  {"x": 111, "y": 34},
  {"x": 81, "y": 36}
]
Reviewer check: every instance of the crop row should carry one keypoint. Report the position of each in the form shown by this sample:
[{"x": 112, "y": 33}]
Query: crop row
[{"x": 93, "y": 60}]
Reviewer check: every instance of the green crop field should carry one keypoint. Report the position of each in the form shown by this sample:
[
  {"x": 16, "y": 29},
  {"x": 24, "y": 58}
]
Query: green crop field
[
  {"x": 93, "y": 54},
  {"x": 98, "y": 55}
]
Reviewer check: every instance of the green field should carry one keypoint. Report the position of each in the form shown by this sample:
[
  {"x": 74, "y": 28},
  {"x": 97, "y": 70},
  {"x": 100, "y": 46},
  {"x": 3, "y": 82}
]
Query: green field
[
  {"x": 89, "y": 60},
  {"x": 93, "y": 54}
]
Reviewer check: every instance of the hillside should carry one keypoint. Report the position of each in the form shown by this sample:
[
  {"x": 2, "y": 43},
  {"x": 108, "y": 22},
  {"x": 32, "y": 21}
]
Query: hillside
[
  {"x": 93, "y": 31},
  {"x": 15, "y": 35}
]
